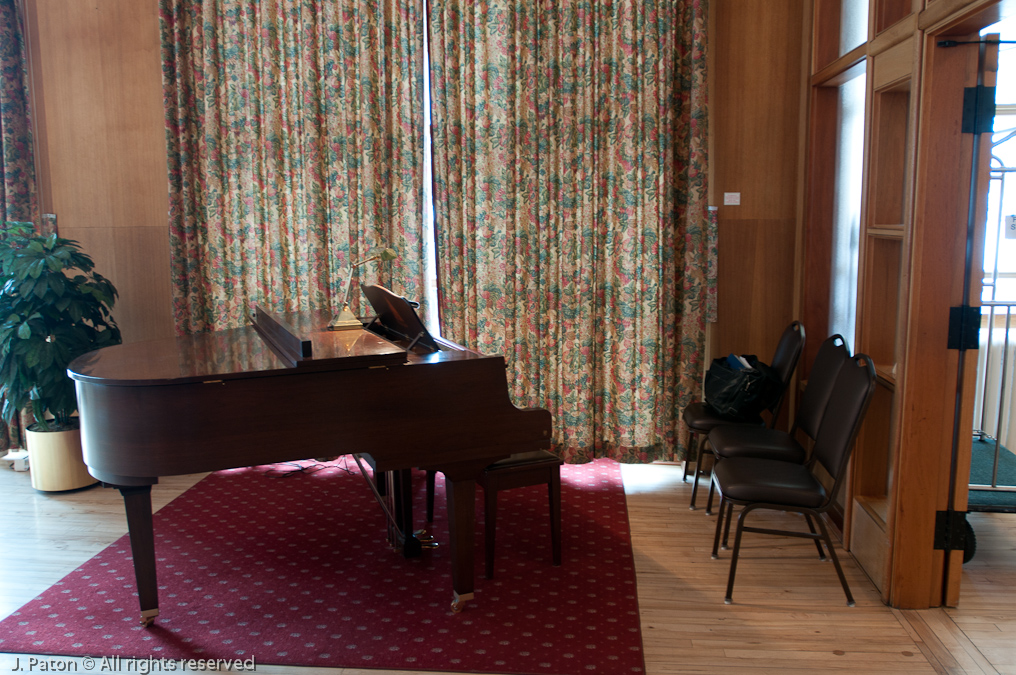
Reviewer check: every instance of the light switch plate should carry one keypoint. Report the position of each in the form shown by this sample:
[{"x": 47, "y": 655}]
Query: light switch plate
[{"x": 731, "y": 198}]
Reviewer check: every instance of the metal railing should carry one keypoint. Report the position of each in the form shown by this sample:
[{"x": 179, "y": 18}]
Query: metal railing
[
  {"x": 993, "y": 400},
  {"x": 994, "y": 415}
]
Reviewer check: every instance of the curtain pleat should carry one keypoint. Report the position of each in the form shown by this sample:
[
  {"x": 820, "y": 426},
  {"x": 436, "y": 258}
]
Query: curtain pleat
[
  {"x": 570, "y": 208},
  {"x": 18, "y": 200},
  {"x": 294, "y": 141},
  {"x": 17, "y": 163}
]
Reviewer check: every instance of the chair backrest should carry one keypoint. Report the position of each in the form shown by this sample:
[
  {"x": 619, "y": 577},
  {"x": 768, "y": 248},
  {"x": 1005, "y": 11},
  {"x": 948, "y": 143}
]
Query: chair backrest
[
  {"x": 832, "y": 354},
  {"x": 788, "y": 351},
  {"x": 848, "y": 402}
]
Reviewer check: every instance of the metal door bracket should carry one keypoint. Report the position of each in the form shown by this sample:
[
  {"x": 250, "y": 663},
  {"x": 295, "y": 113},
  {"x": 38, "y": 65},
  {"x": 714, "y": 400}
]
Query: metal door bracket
[
  {"x": 978, "y": 110},
  {"x": 964, "y": 325},
  {"x": 950, "y": 530}
]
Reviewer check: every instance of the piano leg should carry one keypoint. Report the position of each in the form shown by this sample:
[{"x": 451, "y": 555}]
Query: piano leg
[
  {"x": 138, "y": 504},
  {"x": 461, "y": 493}
]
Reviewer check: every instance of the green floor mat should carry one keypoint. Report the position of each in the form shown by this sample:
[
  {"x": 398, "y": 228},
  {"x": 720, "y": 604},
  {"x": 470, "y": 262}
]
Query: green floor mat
[{"x": 982, "y": 459}]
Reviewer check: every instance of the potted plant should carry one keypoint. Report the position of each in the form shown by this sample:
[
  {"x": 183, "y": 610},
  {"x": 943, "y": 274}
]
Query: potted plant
[{"x": 53, "y": 308}]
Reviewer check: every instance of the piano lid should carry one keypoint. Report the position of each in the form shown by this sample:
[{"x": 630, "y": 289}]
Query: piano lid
[{"x": 236, "y": 353}]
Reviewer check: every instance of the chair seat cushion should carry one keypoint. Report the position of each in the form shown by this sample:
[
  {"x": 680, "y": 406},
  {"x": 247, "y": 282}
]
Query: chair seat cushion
[
  {"x": 750, "y": 479},
  {"x": 746, "y": 441},
  {"x": 702, "y": 419}
]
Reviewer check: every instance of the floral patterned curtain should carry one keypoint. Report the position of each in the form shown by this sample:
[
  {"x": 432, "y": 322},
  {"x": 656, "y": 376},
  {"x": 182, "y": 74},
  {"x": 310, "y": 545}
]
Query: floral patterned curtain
[
  {"x": 294, "y": 130},
  {"x": 17, "y": 161},
  {"x": 17, "y": 167},
  {"x": 570, "y": 203}
]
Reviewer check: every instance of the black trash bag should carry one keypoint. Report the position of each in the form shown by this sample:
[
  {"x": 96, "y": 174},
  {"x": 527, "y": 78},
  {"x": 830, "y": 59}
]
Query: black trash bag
[{"x": 740, "y": 393}]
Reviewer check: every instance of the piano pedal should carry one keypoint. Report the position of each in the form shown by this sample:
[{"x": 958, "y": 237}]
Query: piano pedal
[{"x": 426, "y": 539}]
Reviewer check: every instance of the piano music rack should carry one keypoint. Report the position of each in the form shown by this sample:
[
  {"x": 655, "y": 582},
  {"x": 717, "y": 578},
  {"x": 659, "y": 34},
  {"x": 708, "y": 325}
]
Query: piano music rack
[{"x": 304, "y": 341}]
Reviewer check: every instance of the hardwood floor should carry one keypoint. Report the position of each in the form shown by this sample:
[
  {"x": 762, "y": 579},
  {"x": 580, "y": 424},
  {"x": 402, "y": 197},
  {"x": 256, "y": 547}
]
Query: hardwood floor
[{"x": 789, "y": 612}]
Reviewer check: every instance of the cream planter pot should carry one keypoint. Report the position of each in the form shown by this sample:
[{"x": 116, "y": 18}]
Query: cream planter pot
[{"x": 54, "y": 460}]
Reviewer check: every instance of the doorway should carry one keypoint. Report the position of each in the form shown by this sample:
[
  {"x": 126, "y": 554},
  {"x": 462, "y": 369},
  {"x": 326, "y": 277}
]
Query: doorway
[{"x": 993, "y": 464}]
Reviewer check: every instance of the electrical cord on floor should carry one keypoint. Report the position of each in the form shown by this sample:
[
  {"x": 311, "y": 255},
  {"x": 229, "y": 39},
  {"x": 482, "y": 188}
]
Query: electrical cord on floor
[{"x": 308, "y": 466}]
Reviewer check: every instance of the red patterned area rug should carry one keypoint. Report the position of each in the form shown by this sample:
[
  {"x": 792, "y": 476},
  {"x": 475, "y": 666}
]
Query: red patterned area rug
[{"x": 289, "y": 566}]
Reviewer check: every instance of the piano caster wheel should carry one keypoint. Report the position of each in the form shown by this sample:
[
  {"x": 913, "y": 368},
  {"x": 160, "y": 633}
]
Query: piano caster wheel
[
  {"x": 148, "y": 616},
  {"x": 459, "y": 601}
]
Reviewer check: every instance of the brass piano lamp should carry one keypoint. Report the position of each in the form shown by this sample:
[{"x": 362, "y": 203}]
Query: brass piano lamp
[{"x": 346, "y": 320}]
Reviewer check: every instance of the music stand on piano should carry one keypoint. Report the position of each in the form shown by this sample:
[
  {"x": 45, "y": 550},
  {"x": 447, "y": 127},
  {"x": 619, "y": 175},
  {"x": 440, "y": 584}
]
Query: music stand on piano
[{"x": 397, "y": 320}]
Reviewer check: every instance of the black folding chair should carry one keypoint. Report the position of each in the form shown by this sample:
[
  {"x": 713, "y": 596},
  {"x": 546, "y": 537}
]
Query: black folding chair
[
  {"x": 753, "y": 441},
  {"x": 758, "y": 483}
]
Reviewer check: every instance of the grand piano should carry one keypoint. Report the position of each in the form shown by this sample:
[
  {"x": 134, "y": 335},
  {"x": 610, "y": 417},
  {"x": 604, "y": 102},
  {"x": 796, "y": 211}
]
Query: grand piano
[{"x": 285, "y": 388}]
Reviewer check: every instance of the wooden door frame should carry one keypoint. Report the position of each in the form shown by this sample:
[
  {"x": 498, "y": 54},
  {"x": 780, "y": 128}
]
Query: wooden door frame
[{"x": 920, "y": 575}]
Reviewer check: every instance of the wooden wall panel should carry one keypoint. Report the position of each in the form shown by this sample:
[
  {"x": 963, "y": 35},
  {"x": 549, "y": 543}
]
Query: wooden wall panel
[
  {"x": 141, "y": 256},
  {"x": 97, "y": 83},
  {"x": 756, "y": 90},
  {"x": 756, "y": 106},
  {"x": 819, "y": 208},
  {"x": 755, "y": 284}
]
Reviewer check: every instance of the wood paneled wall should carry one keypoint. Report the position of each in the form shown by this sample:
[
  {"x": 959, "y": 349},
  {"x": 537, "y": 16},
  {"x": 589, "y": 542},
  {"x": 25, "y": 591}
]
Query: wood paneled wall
[
  {"x": 757, "y": 84},
  {"x": 97, "y": 90}
]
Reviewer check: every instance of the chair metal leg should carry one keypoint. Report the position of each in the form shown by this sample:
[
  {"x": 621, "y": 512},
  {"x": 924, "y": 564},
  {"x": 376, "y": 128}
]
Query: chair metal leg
[
  {"x": 698, "y": 469},
  {"x": 719, "y": 525},
  {"x": 687, "y": 460},
  {"x": 709, "y": 499},
  {"x": 818, "y": 544},
  {"x": 836, "y": 561},
  {"x": 726, "y": 528},
  {"x": 737, "y": 548}
]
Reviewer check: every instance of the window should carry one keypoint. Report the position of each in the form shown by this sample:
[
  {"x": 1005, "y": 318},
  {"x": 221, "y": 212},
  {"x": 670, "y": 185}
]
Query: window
[
  {"x": 1000, "y": 238},
  {"x": 847, "y": 207},
  {"x": 853, "y": 24}
]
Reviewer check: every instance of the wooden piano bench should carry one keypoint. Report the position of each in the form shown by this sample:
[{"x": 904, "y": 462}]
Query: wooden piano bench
[{"x": 519, "y": 470}]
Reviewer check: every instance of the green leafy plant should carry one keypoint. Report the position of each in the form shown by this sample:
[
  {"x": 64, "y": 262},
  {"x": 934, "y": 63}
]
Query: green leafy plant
[
  {"x": 53, "y": 308},
  {"x": 14, "y": 230}
]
